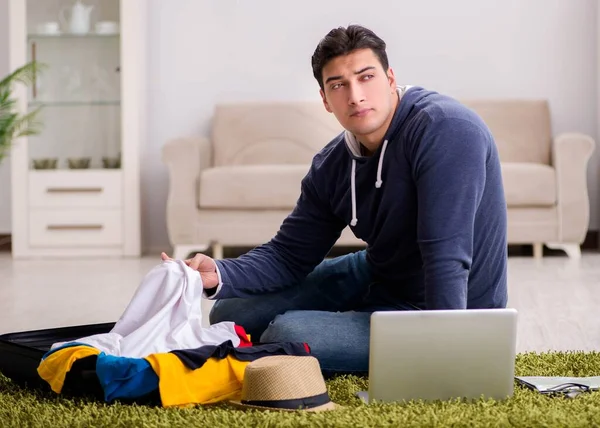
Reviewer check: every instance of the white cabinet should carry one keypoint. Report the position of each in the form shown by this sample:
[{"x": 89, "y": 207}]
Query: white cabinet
[{"x": 75, "y": 186}]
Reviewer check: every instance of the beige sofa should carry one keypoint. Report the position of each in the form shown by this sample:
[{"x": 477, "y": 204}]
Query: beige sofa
[{"x": 235, "y": 187}]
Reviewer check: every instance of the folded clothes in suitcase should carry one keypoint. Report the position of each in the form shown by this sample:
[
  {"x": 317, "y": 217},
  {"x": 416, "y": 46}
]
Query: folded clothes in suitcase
[
  {"x": 163, "y": 314},
  {"x": 21, "y": 353},
  {"x": 156, "y": 351}
]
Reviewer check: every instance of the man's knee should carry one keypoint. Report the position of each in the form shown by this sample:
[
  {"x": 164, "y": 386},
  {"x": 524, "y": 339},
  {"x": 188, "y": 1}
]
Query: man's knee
[
  {"x": 222, "y": 311},
  {"x": 287, "y": 327},
  {"x": 241, "y": 312}
]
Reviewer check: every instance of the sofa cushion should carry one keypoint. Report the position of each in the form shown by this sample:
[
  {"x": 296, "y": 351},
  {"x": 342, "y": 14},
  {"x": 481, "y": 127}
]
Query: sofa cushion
[
  {"x": 529, "y": 184},
  {"x": 251, "y": 186},
  {"x": 278, "y": 186}
]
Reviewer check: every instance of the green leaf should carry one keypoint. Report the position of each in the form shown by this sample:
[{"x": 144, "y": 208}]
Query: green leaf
[
  {"x": 25, "y": 75},
  {"x": 14, "y": 124},
  {"x": 26, "y": 127}
]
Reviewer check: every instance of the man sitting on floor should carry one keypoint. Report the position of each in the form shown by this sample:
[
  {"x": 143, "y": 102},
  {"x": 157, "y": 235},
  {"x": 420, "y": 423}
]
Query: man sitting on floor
[{"x": 416, "y": 175}]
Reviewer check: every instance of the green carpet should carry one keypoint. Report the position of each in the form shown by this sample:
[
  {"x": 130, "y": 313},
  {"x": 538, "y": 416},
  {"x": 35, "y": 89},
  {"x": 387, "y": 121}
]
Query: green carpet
[{"x": 20, "y": 407}]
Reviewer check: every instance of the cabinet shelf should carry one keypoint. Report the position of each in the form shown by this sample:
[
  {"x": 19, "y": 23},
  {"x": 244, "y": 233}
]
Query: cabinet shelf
[{"x": 32, "y": 104}]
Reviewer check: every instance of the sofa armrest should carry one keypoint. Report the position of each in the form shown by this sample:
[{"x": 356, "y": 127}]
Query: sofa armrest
[
  {"x": 570, "y": 155},
  {"x": 185, "y": 158}
]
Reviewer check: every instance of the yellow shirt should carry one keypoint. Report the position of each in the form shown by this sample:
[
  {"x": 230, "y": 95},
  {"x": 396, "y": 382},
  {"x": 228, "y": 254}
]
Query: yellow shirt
[
  {"x": 53, "y": 369},
  {"x": 217, "y": 380}
]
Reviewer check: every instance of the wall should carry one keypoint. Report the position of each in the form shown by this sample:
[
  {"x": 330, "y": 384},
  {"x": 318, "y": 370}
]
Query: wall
[
  {"x": 203, "y": 52},
  {"x": 207, "y": 52},
  {"x": 5, "y": 165}
]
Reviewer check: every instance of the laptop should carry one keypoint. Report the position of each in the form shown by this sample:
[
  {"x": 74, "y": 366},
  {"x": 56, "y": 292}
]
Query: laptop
[{"x": 442, "y": 355}]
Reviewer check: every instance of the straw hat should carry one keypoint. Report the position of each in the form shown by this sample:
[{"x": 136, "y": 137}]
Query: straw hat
[{"x": 285, "y": 382}]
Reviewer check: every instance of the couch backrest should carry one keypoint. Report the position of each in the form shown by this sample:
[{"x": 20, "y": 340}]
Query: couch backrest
[
  {"x": 521, "y": 128},
  {"x": 293, "y": 132},
  {"x": 270, "y": 132}
]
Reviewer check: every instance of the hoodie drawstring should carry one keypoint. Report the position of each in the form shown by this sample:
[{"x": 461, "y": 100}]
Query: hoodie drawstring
[
  {"x": 353, "y": 191},
  {"x": 378, "y": 183}
]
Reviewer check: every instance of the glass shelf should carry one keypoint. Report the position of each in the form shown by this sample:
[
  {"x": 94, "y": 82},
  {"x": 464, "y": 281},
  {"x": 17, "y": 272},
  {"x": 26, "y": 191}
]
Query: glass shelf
[
  {"x": 73, "y": 103},
  {"x": 65, "y": 169},
  {"x": 36, "y": 36}
]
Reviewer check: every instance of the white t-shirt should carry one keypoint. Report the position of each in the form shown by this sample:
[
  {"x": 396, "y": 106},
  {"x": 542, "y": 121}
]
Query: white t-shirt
[{"x": 164, "y": 314}]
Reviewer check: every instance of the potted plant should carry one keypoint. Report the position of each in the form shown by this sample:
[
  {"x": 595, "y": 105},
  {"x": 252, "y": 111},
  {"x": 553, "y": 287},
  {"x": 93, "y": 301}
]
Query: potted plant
[{"x": 14, "y": 124}]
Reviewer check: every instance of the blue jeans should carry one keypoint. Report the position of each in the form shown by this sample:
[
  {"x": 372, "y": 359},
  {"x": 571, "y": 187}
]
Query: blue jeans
[{"x": 330, "y": 310}]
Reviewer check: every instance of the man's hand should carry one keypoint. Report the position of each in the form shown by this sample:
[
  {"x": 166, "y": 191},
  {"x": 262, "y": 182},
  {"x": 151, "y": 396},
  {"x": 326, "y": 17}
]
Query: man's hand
[{"x": 203, "y": 264}]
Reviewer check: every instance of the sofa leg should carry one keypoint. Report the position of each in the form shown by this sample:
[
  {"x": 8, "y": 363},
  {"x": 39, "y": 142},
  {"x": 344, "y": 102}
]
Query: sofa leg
[
  {"x": 572, "y": 250},
  {"x": 180, "y": 252},
  {"x": 217, "y": 251},
  {"x": 538, "y": 250}
]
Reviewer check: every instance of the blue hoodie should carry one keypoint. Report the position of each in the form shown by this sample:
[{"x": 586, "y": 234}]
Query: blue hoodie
[{"x": 429, "y": 203}]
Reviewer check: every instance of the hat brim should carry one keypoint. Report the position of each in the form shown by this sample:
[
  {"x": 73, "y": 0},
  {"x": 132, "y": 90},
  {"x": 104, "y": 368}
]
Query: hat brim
[{"x": 327, "y": 406}]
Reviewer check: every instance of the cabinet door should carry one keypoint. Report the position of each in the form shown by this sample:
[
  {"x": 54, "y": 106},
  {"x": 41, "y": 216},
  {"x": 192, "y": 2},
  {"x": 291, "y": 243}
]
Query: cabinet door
[{"x": 78, "y": 91}]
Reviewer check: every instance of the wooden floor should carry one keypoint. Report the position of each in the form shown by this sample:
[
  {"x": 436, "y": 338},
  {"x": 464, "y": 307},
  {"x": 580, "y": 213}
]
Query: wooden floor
[{"x": 558, "y": 300}]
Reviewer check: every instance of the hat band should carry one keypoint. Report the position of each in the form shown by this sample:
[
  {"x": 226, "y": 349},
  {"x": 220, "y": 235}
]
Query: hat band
[{"x": 296, "y": 403}]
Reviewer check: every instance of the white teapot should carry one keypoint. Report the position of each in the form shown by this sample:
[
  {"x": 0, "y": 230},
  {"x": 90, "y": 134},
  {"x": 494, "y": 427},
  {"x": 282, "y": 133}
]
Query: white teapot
[{"x": 79, "y": 19}]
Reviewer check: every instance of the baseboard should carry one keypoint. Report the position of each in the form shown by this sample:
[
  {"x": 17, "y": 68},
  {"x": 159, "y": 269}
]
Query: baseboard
[
  {"x": 591, "y": 241},
  {"x": 155, "y": 251},
  {"x": 590, "y": 245},
  {"x": 5, "y": 242}
]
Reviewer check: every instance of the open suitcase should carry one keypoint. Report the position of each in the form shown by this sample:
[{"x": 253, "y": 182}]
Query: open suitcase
[{"x": 21, "y": 353}]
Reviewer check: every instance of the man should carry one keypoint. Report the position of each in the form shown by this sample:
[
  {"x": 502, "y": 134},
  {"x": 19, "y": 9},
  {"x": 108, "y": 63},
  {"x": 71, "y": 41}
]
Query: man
[{"x": 416, "y": 175}]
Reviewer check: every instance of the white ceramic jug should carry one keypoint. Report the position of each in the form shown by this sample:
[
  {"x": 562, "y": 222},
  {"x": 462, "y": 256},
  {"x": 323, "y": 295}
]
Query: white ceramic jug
[{"x": 79, "y": 19}]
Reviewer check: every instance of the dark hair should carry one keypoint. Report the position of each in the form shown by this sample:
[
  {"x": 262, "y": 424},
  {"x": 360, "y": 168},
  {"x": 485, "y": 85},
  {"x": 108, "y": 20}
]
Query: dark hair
[{"x": 342, "y": 41}]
